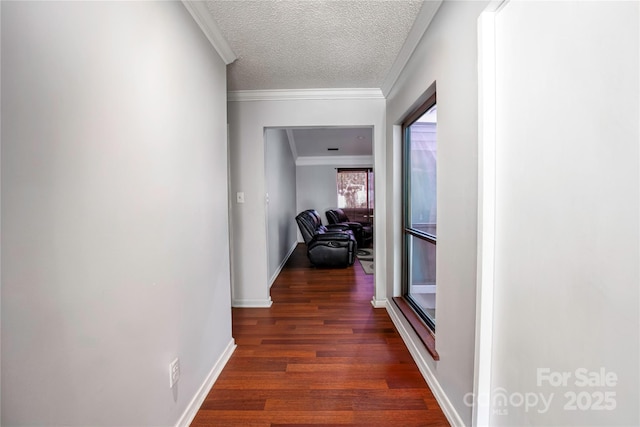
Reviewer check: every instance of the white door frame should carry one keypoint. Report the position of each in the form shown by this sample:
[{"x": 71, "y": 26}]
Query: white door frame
[{"x": 486, "y": 213}]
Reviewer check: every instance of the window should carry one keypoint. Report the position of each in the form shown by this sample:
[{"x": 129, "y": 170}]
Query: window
[
  {"x": 419, "y": 229},
  {"x": 355, "y": 193}
]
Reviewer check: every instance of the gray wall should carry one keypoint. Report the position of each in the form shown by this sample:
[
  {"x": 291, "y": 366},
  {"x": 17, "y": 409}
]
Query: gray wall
[
  {"x": 317, "y": 188},
  {"x": 447, "y": 54},
  {"x": 565, "y": 294},
  {"x": 115, "y": 252},
  {"x": 280, "y": 170}
]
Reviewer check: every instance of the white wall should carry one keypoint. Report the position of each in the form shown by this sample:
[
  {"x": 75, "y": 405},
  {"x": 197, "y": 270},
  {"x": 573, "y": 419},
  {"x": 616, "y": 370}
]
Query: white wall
[
  {"x": 247, "y": 121},
  {"x": 280, "y": 170},
  {"x": 317, "y": 188},
  {"x": 566, "y": 291},
  {"x": 114, "y": 212},
  {"x": 446, "y": 55}
]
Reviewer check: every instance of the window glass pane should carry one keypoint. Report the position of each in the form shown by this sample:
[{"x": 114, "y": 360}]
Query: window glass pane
[
  {"x": 355, "y": 194},
  {"x": 420, "y": 212},
  {"x": 422, "y": 153},
  {"x": 422, "y": 277},
  {"x": 352, "y": 189}
]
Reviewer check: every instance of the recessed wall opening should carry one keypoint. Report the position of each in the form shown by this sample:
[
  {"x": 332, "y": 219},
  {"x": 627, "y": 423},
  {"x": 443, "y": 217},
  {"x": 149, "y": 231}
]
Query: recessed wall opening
[
  {"x": 302, "y": 168},
  {"x": 420, "y": 211},
  {"x": 419, "y": 221}
]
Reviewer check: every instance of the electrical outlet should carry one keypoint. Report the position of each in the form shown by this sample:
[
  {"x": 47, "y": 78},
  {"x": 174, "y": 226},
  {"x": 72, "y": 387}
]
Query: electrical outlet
[{"x": 174, "y": 372}]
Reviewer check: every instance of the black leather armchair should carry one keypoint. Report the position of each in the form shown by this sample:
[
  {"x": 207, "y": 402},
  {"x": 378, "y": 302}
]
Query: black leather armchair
[
  {"x": 327, "y": 246},
  {"x": 362, "y": 231}
]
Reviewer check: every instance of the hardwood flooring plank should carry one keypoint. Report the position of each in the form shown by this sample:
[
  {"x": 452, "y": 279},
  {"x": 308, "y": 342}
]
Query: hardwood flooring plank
[{"x": 320, "y": 355}]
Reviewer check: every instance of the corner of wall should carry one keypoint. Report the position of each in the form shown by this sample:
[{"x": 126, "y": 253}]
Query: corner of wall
[
  {"x": 274, "y": 276},
  {"x": 196, "y": 402}
]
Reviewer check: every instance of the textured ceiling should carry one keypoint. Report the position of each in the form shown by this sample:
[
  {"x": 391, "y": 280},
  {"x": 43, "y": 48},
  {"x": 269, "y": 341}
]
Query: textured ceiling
[
  {"x": 298, "y": 44},
  {"x": 313, "y": 142}
]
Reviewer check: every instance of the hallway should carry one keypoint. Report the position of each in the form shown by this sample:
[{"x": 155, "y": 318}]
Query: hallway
[{"x": 321, "y": 355}]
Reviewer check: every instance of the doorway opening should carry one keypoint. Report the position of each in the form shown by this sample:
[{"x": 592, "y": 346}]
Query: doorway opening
[{"x": 302, "y": 167}]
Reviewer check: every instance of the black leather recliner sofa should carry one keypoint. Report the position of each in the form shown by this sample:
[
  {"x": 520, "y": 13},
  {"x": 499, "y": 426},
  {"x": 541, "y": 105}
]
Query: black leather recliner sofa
[
  {"x": 327, "y": 246},
  {"x": 362, "y": 231}
]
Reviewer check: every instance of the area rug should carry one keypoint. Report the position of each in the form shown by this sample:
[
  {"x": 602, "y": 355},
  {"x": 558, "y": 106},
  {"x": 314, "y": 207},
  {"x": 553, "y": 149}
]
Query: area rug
[{"x": 365, "y": 256}]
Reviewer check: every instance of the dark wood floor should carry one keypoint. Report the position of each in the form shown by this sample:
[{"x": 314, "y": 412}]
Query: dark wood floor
[{"x": 321, "y": 355}]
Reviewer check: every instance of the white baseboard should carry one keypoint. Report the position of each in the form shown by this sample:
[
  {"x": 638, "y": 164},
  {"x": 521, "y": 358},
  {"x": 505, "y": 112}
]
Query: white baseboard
[
  {"x": 284, "y": 261},
  {"x": 252, "y": 303},
  {"x": 432, "y": 381},
  {"x": 192, "y": 408},
  {"x": 378, "y": 303}
]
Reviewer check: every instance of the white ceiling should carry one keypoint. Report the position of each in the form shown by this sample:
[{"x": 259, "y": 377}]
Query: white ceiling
[
  {"x": 318, "y": 44},
  {"x": 314, "y": 142},
  {"x": 300, "y": 44}
]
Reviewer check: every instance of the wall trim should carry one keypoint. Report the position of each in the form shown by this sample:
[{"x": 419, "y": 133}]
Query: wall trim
[
  {"x": 420, "y": 25},
  {"x": 303, "y": 94},
  {"x": 335, "y": 160},
  {"x": 284, "y": 261},
  {"x": 485, "y": 271},
  {"x": 202, "y": 16},
  {"x": 379, "y": 303},
  {"x": 192, "y": 408},
  {"x": 252, "y": 303},
  {"x": 432, "y": 381}
]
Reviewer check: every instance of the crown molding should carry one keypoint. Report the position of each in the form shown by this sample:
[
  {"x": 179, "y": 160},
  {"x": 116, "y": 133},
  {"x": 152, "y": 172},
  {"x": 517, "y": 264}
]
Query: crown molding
[
  {"x": 334, "y": 161},
  {"x": 420, "y": 25},
  {"x": 202, "y": 16},
  {"x": 303, "y": 94}
]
